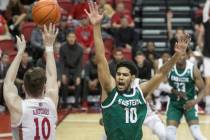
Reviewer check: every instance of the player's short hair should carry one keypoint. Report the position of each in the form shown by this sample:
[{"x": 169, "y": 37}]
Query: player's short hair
[
  {"x": 34, "y": 81},
  {"x": 130, "y": 65}
]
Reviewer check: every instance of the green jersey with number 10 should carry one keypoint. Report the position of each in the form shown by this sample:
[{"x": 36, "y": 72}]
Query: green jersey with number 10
[{"x": 124, "y": 114}]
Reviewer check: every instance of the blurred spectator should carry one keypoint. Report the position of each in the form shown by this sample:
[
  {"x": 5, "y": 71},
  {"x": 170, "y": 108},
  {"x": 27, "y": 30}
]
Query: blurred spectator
[
  {"x": 91, "y": 83},
  {"x": 79, "y": 9},
  {"x": 120, "y": 12},
  {"x": 172, "y": 37},
  {"x": 105, "y": 25},
  {"x": 63, "y": 31},
  {"x": 15, "y": 15},
  {"x": 199, "y": 36},
  {"x": 117, "y": 56},
  {"x": 4, "y": 65},
  {"x": 143, "y": 65},
  {"x": 24, "y": 66},
  {"x": 206, "y": 52},
  {"x": 198, "y": 27},
  {"x": 41, "y": 62},
  {"x": 159, "y": 62},
  {"x": 84, "y": 34},
  {"x": 4, "y": 31},
  {"x": 126, "y": 36},
  {"x": 36, "y": 45},
  {"x": 150, "y": 52},
  {"x": 71, "y": 56},
  {"x": 108, "y": 10}
]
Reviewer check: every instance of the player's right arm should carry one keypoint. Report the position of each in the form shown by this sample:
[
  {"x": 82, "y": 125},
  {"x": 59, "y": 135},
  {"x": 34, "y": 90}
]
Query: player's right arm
[
  {"x": 10, "y": 92},
  {"x": 106, "y": 80},
  {"x": 49, "y": 36},
  {"x": 206, "y": 11}
]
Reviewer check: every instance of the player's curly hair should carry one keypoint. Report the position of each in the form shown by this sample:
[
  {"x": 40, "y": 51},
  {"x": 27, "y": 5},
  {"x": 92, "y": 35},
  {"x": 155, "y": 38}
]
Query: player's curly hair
[
  {"x": 130, "y": 65},
  {"x": 34, "y": 81}
]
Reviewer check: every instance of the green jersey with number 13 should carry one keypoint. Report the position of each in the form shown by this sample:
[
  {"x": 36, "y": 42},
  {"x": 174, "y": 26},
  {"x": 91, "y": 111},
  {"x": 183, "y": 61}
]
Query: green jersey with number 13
[{"x": 182, "y": 80}]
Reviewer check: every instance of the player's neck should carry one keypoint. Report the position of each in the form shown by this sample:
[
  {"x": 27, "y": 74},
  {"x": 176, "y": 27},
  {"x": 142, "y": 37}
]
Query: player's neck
[
  {"x": 30, "y": 97},
  {"x": 127, "y": 91},
  {"x": 181, "y": 66}
]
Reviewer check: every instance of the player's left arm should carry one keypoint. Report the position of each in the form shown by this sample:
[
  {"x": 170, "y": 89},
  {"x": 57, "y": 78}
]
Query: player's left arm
[
  {"x": 180, "y": 48},
  {"x": 49, "y": 36},
  {"x": 201, "y": 89}
]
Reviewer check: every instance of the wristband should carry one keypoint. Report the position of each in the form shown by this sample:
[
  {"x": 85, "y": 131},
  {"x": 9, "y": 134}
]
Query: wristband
[{"x": 49, "y": 49}]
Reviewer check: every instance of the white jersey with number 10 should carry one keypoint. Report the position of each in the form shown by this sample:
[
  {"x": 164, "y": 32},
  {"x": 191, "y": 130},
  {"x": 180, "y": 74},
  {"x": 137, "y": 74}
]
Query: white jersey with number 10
[{"x": 38, "y": 120}]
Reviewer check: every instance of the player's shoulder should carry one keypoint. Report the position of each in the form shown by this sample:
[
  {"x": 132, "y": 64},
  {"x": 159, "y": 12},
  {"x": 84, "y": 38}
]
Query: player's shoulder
[{"x": 189, "y": 63}]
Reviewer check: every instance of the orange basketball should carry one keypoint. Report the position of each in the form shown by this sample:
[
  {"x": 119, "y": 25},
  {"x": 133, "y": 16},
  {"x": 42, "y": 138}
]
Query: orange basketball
[{"x": 45, "y": 12}]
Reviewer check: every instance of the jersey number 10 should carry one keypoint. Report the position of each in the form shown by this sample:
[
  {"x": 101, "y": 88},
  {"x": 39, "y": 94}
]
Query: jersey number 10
[
  {"x": 45, "y": 126},
  {"x": 130, "y": 115}
]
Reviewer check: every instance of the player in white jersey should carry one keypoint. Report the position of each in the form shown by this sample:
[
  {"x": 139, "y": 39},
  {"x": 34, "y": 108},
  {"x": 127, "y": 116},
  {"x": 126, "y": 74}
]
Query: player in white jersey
[
  {"x": 35, "y": 117},
  {"x": 152, "y": 120}
]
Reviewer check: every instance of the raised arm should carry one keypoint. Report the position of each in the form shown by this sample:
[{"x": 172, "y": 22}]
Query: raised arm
[
  {"x": 49, "y": 36},
  {"x": 206, "y": 11},
  {"x": 201, "y": 89},
  {"x": 180, "y": 48},
  {"x": 169, "y": 16},
  {"x": 11, "y": 96},
  {"x": 106, "y": 80}
]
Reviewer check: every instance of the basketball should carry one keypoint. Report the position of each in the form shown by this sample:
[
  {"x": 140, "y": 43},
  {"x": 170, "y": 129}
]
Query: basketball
[{"x": 45, "y": 12}]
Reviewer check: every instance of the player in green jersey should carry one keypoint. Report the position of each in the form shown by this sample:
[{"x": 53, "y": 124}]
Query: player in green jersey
[
  {"x": 184, "y": 77},
  {"x": 124, "y": 108}
]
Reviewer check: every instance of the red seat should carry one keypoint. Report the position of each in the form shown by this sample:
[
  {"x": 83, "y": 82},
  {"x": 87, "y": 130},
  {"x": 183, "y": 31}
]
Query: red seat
[
  {"x": 12, "y": 55},
  {"x": 7, "y": 45},
  {"x": 111, "y": 2},
  {"x": 67, "y": 5},
  {"x": 109, "y": 43},
  {"x": 128, "y": 7},
  {"x": 27, "y": 29},
  {"x": 107, "y": 55},
  {"x": 85, "y": 57},
  {"x": 127, "y": 53}
]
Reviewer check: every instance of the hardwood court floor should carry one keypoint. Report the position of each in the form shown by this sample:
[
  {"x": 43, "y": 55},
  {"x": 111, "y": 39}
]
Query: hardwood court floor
[{"x": 86, "y": 127}]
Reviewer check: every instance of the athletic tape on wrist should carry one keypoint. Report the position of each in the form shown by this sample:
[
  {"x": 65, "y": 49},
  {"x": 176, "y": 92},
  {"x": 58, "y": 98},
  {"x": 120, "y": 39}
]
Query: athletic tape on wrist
[{"x": 49, "y": 49}]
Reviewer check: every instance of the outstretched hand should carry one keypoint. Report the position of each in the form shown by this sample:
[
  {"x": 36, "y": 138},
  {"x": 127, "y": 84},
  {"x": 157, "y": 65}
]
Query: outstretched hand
[
  {"x": 21, "y": 43},
  {"x": 49, "y": 35},
  {"x": 93, "y": 15},
  {"x": 182, "y": 43}
]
